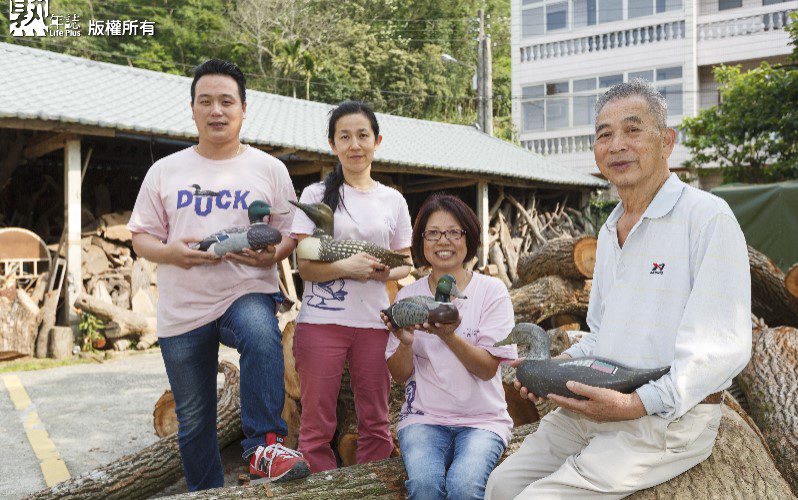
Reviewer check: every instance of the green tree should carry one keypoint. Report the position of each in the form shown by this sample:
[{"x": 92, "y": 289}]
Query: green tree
[{"x": 752, "y": 135}]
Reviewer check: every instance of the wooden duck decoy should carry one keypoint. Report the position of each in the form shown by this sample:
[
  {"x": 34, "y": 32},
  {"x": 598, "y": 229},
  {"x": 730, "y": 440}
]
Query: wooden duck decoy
[
  {"x": 321, "y": 246},
  {"x": 542, "y": 375},
  {"x": 256, "y": 235},
  {"x": 421, "y": 309}
]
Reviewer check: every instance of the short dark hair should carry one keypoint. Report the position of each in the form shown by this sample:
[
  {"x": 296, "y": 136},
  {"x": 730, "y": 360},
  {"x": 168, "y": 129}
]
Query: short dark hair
[
  {"x": 220, "y": 67},
  {"x": 459, "y": 210}
]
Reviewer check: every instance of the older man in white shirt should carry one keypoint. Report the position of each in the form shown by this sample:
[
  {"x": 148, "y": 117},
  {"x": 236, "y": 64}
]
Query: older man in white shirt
[{"x": 671, "y": 287}]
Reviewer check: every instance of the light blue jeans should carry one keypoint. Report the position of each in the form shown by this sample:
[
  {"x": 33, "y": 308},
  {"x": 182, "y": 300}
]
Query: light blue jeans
[{"x": 448, "y": 462}]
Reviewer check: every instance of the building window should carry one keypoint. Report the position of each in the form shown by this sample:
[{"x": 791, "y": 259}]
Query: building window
[
  {"x": 673, "y": 96},
  {"x": 585, "y": 84},
  {"x": 771, "y": 2},
  {"x": 539, "y": 17},
  {"x": 572, "y": 103},
  {"x": 643, "y": 75},
  {"x": 584, "y": 109},
  {"x": 584, "y": 13},
  {"x": 556, "y": 16},
  {"x": 669, "y": 73},
  {"x": 532, "y": 22},
  {"x": 640, "y": 8},
  {"x": 557, "y": 113},
  {"x": 610, "y": 10},
  {"x": 533, "y": 116},
  {"x": 729, "y": 4},
  {"x": 666, "y": 5},
  {"x": 609, "y": 81}
]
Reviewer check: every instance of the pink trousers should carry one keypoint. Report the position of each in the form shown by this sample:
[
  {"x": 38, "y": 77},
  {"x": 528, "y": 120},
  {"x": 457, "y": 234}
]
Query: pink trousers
[{"x": 320, "y": 352}]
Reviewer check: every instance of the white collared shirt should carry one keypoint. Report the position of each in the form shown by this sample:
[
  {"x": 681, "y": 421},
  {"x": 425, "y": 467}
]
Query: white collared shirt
[{"x": 677, "y": 294}]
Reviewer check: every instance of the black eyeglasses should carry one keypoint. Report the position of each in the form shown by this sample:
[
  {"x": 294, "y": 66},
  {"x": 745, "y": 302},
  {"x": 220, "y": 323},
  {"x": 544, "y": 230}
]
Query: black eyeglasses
[{"x": 451, "y": 234}]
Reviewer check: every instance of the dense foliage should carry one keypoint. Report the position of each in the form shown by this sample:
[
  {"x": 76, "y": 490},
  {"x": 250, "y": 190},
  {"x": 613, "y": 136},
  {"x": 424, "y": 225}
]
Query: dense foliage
[
  {"x": 753, "y": 133},
  {"x": 384, "y": 51}
]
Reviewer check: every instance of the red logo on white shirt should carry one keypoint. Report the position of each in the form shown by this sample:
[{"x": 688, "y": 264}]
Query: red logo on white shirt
[{"x": 658, "y": 268}]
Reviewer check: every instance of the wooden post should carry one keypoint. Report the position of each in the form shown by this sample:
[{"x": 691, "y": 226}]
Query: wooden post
[
  {"x": 484, "y": 222},
  {"x": 72, "y": 198}
]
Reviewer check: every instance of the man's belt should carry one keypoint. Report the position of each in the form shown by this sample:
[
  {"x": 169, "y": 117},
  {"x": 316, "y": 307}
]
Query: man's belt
[{"x": 713, "y": 399}]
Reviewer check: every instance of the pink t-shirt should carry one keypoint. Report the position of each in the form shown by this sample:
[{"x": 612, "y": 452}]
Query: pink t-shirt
[
  {"x": 441, "y": 391},
  {"x": 168, "y": 208},
  {"x": 379, "y": 216}
]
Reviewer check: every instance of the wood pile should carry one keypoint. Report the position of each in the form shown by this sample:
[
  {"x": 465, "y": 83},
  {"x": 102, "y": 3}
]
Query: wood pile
[
  {"x": 739, "y": 467},
  {"x": 523, "y": 222}
]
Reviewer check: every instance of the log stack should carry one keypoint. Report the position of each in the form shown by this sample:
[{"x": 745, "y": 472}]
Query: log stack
[
  {"x": 739, "y": 467},
  {"x": 522, "y": 222}
]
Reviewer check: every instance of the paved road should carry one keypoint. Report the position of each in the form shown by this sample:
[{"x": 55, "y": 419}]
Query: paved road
[{"x": 93, "y": 413}]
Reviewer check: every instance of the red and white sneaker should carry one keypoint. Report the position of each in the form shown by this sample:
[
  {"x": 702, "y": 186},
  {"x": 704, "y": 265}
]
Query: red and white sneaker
[{"x": 276, "y": 463}]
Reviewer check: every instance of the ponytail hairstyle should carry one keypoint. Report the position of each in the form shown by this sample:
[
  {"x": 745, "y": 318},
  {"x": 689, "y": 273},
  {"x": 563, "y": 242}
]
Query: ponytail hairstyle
[{"x": 335, "y": 179}]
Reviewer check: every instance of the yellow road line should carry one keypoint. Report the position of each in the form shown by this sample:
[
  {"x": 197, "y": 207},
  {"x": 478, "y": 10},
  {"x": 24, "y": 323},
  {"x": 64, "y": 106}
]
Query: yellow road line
[{"x": 53, "y": 468}]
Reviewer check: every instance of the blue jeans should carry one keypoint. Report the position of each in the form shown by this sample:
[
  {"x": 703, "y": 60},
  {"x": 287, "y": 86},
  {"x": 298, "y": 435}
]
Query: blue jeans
[
  {"x": 249, "y": 325},
  {"x": 448, "y": 462}
]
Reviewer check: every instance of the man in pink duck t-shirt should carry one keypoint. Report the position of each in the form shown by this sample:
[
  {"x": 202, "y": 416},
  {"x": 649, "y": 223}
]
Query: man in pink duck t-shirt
[{"x": 204, "y": 300}]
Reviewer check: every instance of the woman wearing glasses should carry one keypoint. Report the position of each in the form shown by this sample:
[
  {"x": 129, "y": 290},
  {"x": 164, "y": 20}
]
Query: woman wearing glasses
[{"x": 454, "y": 425}]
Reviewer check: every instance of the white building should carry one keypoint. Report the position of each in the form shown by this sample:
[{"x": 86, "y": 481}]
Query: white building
[{"x": 567, "y": 52}]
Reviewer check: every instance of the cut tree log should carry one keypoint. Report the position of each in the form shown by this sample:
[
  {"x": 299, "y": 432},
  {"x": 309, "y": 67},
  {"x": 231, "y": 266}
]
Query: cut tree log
[
  {"x": 497, "y": 258},
  {"x": 290, "y": 376},
  {"x": 129, "y": 322},
  {"x": 114, "y": 226},
  {"x": 157, "y": 466},
  {"x": 572, "y": 258},
  {"x": 791, "y": 280},
  {"x": 739, "y": 467},
  {"x": 770, "y": 299},
  {"x": 46, "y": 322},
  {"x": 164, "y": 418},
  {"x": 18, "y": 326},
  {"x": 770, "y": 385},
  {"x": 549, "y": 296},
  {"x": 61, "y": 342}
]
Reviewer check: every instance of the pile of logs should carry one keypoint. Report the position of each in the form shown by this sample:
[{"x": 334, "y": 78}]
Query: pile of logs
[
  {"x": 770, "y": 381},
  {"x": 523, "y": 222}
]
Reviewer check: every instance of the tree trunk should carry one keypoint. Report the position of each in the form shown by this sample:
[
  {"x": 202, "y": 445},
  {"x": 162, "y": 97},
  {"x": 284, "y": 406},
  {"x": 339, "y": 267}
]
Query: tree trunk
[
  {"x": 46, "y": 322},
  {"x": 769, "y": 297},
  {"x": 770, "y": 384},
  {"x": 791, "y": 281},
  {"x": 18, "y": 324},
  {"x": 157, "y": 466},
  {"x": 739, "y": 467},
  {"x": 61, "y": 342},
  {"x": 129, "y": 322},
  {"x": 566, "y": 257},
  {"x": 547, "y": 297}
]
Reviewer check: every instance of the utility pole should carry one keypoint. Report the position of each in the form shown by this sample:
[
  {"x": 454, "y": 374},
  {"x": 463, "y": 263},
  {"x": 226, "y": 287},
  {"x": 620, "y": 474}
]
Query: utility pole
[
  {"x": 487, "y": 99},
  {"x": 484, "y": 78},
  {"x": 481, "y": 71}
]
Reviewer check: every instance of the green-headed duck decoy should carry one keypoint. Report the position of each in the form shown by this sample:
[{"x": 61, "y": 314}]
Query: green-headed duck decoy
[
  {"x": 256, "y": 235},
  {"x": 322, "y": 247},
  {"x": 542, "y": 375},
  {"x": 421, "y": 309}
]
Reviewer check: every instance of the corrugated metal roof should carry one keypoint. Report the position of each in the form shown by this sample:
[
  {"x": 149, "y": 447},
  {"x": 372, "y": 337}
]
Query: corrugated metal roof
[{"x": 36, "y": 84}]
